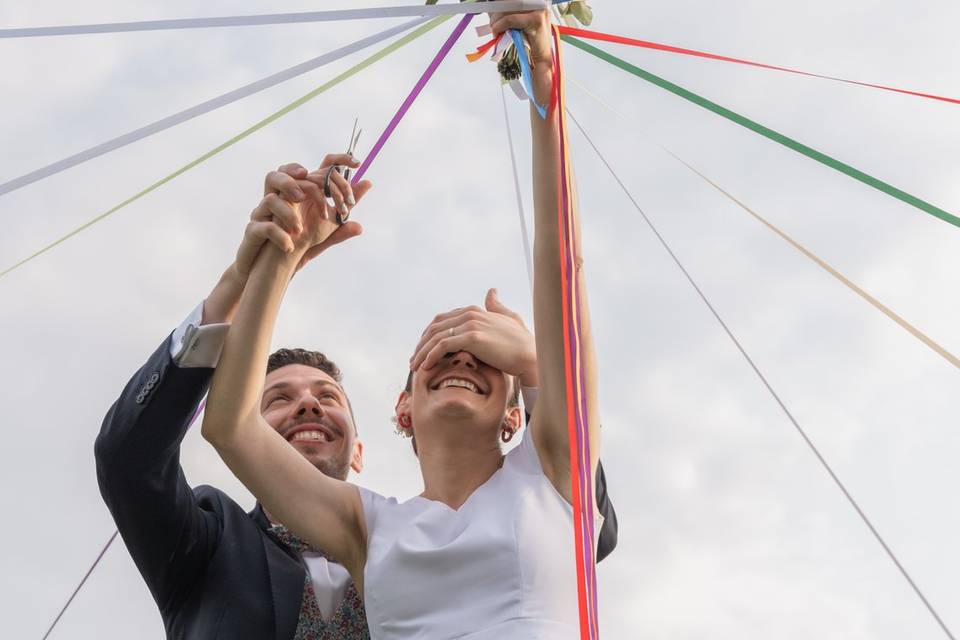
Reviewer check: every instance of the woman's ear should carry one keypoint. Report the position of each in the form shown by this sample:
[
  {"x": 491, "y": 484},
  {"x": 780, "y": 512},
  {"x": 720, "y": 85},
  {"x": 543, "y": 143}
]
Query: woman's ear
[
  {"x": 403, "y": 418},
  {"x": 512, "y": 419}
]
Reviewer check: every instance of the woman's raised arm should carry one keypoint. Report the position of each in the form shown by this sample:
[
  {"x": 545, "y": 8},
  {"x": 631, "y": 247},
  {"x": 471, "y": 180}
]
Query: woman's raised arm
[
  {"x": 549, "y": 421},
  {"x": 324, "y": 511}
]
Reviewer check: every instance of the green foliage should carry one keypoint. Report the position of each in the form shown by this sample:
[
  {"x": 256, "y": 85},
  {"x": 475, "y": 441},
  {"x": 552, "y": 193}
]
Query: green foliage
[{"x": 580, "y": 10}]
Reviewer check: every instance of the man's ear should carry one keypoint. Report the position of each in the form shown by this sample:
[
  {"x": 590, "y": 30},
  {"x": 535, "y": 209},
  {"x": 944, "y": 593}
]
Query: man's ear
[{"x": 356, "y": 459}]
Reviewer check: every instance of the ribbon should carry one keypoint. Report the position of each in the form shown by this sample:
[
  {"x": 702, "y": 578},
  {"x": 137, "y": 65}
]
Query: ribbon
[
  {"x": 202, "y": 108},
  {"x": 766, "y": 383},
  {"x": 766, "y": 132},
  {"x": 360, "y": 66},
  {"x": 524, "y": 236},
  {"x": 887, "y": 311},
  {"x": 417, "y": 88},
  {"x": 882, "y": 308},
  {"x": 577, "y": 423},
  {"x": 280, "y": 18},
  {"x": 517, "y": 37},
  {"x": 482, "y": 49},
  {"x": 646, "y": 44}
]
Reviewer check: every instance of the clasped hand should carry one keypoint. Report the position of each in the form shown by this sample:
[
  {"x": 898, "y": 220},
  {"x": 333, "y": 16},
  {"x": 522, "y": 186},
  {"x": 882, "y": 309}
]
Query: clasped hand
[{"x": 296, "y": 216}]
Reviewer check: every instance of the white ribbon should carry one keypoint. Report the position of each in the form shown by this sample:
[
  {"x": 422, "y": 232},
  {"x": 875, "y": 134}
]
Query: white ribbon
[
  {"x": 204, "y": 107},
  {"x": 428, "y": 11},
  {"x": 527, "y": 253}
]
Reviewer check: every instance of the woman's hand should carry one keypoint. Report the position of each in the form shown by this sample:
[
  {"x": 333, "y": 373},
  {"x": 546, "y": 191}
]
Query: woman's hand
[
  {"x": 496, "y": 335},
  {"x": 536, "y": 29},
  {"x": 535, "y": 26}
]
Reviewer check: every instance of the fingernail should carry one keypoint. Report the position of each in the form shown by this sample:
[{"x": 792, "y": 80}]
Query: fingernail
[
  {"x": 343, "y": 209},
  {"x": 351, "y": 200}
]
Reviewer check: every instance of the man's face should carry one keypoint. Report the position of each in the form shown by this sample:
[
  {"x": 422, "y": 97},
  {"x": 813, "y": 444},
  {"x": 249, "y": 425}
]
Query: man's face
[{"x": 309, "y": 409}]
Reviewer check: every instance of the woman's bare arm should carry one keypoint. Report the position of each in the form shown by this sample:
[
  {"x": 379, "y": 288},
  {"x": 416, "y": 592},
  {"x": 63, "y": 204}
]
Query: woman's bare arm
[
  {"x": 325, "y": 511},
  {"x": 549, "y": 421}
]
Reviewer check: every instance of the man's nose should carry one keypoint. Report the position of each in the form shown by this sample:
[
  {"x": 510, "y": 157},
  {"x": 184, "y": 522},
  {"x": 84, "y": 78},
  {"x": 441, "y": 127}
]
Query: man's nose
[
  {"x": 308, "y": 403},
  {"x": 465, "y": 359}
]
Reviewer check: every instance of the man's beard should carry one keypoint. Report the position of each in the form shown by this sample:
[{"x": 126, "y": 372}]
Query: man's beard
[{"x": 334, "y": 467}]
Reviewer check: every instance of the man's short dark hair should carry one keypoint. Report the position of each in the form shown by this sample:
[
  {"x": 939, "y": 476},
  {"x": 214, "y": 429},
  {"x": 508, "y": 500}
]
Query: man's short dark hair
[{"x": 315, "y": 359}]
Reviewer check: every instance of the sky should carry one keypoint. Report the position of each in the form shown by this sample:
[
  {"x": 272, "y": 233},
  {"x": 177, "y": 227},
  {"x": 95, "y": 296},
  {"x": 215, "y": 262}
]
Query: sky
[{"x": 729, "y": 528}]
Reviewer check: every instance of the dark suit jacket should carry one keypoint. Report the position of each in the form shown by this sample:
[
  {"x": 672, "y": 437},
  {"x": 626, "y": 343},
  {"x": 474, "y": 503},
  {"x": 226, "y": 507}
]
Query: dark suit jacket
[{"x": 211, "y": 567}]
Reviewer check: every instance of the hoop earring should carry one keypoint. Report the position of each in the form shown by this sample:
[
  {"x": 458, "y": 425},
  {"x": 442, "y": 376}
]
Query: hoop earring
[
  {"x": 405, "y": 420},
  {"x": 506, "y": 436}
]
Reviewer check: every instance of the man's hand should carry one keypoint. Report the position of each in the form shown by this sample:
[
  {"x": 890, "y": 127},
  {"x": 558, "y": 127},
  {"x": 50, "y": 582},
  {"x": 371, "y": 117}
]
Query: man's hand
[
  {"x": 496, "y": 335},
  {"x": 274, "y": 219}
]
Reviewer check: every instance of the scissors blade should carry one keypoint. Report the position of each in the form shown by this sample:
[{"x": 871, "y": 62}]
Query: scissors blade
[{"x": 354, "y": 137}]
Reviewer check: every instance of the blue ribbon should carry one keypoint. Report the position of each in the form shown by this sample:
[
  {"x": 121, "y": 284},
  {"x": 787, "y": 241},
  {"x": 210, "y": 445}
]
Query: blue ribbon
[{"x": 525, "y": 70}]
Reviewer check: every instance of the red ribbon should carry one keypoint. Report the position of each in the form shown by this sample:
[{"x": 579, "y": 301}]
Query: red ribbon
[
  {"x": 581, "y": 476},
  {"x": 482, "y": 49},
  {"x": 646, "y": 44}
]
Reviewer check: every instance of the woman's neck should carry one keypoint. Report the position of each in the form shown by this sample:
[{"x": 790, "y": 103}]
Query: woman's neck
[{"x": 452, "y": 471}]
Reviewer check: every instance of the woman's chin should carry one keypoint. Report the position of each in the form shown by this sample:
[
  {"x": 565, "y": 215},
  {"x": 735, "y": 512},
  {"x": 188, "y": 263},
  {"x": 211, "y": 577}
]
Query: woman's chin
[{"x": 458, "y": 409}]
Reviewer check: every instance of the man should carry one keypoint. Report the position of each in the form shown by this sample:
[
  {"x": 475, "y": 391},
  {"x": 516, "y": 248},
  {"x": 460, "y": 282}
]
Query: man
[{"x": 214, "y": 570}]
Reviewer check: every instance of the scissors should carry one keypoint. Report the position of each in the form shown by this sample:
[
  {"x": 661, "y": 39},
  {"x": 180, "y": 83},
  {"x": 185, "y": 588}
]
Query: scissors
[{"x": 345, "y": 171}]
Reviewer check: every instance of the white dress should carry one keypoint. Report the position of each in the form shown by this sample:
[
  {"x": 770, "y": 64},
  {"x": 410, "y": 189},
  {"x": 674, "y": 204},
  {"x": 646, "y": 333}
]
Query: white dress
[{"x": 501, "y": 567}]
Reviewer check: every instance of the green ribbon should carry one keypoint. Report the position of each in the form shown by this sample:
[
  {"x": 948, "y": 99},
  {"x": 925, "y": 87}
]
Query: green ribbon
[
  {"x": 407, "y": 39},
  {"x": 756, "y": 127}
]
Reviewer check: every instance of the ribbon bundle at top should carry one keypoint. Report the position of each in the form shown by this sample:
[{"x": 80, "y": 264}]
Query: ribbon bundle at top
[{"x": 511, "y": 51}]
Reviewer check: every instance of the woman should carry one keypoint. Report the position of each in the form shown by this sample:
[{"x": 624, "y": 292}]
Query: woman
[{"x": 487, "y": 549}]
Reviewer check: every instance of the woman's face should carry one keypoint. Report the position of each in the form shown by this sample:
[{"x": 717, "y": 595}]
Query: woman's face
[{"x": 460, "y": 388}]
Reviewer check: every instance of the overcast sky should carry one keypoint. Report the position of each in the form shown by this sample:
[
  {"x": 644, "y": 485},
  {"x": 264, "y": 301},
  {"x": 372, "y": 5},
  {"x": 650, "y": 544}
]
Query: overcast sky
[{"x": 729, "y": 527}]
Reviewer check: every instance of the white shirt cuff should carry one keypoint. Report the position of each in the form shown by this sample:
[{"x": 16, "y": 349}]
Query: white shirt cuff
[
  {"x": 529, "y": 395},
  {"x": 195, "y": 346}
]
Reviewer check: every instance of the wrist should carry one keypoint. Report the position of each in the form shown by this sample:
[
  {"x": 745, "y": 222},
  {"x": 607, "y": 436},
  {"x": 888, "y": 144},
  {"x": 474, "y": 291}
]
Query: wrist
[
  {"x": 221, "y": 304},
  {"x": 285, "y": 261},
  {"x": 528, "y": 375},
  {"x": 542, "y": 81},
  {"x": 234, "y": 277}
]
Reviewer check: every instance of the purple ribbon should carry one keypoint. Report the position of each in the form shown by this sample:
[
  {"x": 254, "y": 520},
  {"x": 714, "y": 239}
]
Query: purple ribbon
[{"x": 417, "y": 88}]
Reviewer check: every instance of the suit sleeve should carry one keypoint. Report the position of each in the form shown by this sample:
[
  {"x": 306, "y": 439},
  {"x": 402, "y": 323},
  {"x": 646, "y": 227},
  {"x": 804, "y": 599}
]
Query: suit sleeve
[
  {"x": 607, "y": 540},
  {"x": 138, "y": 468}
]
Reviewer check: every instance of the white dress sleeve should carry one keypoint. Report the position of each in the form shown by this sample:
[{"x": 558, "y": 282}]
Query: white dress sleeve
[
  {"x": 524, "y": 458},
  {"x": 372, "y": 502}
]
